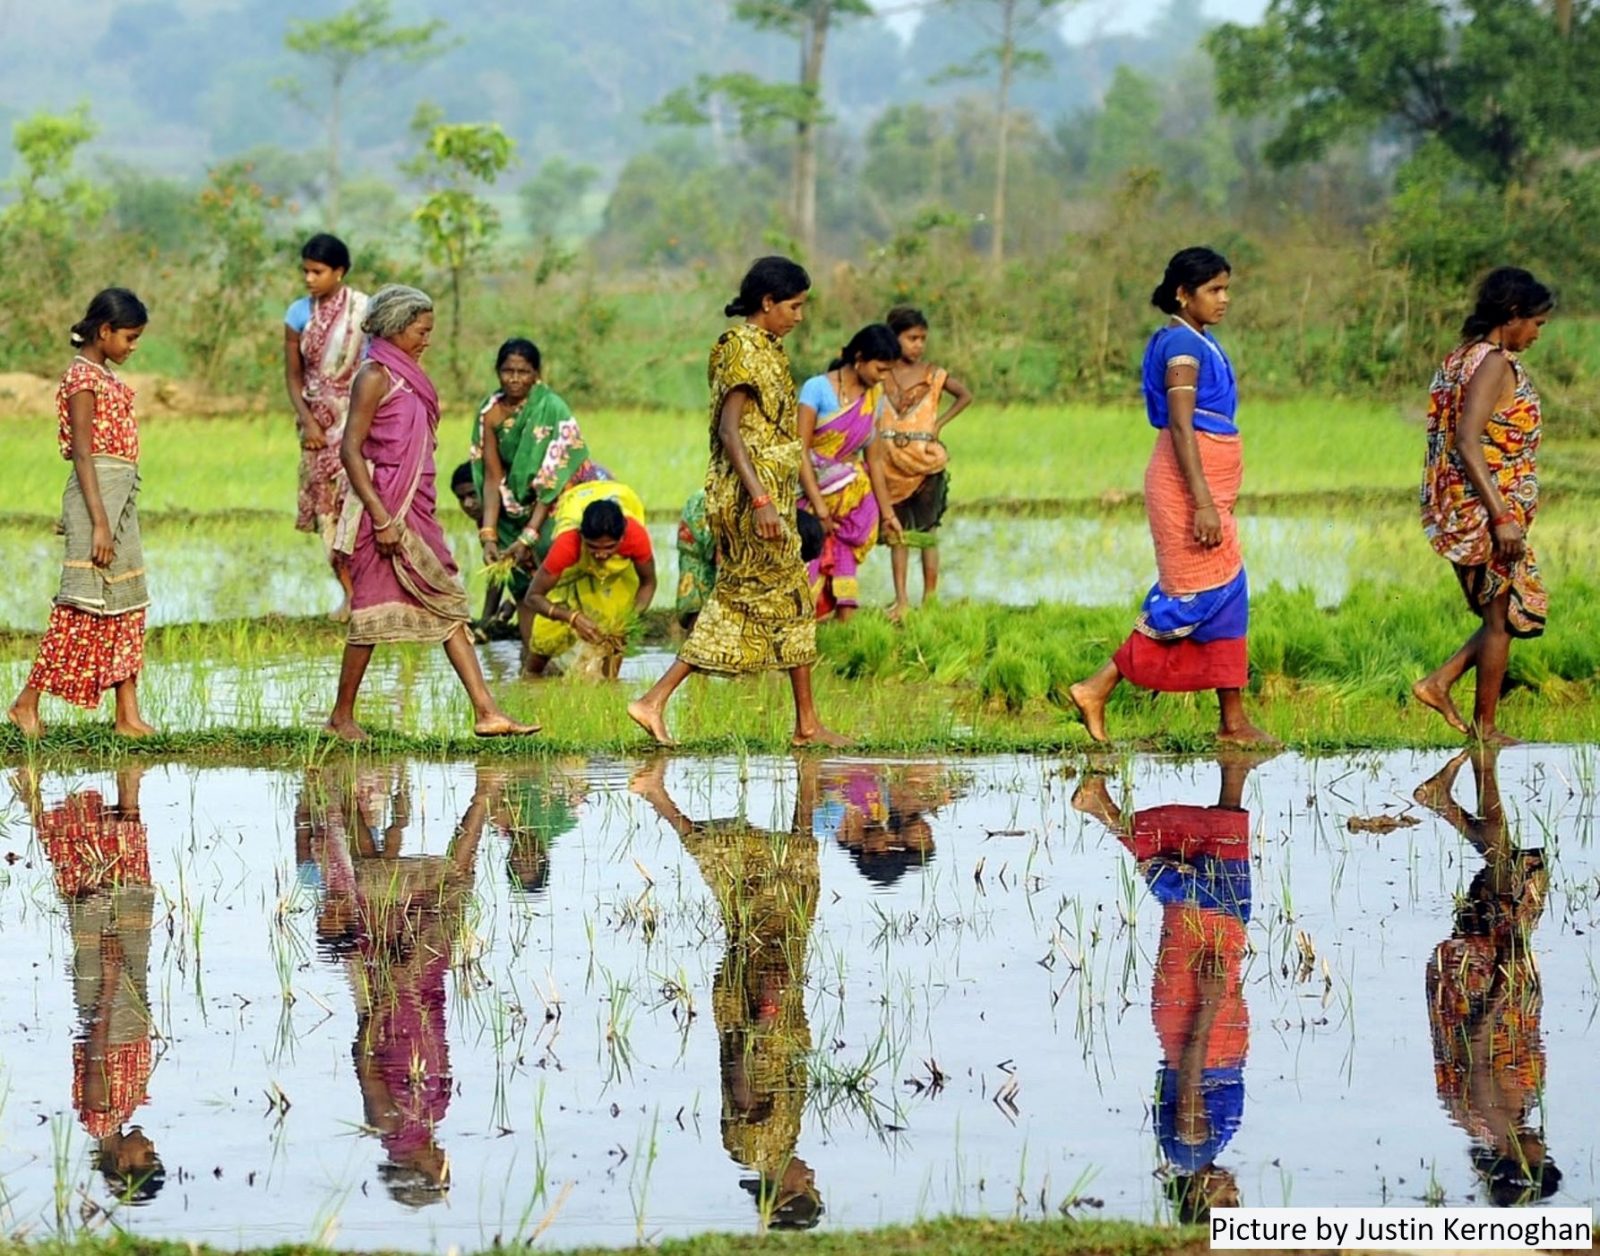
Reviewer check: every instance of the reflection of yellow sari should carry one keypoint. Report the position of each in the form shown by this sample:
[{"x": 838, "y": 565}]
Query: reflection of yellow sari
[{"x": 604, "y": 591}]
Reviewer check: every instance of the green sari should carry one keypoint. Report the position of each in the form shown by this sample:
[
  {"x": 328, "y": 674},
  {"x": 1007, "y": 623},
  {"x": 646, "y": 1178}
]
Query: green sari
[{"x": 543, "y": 453}]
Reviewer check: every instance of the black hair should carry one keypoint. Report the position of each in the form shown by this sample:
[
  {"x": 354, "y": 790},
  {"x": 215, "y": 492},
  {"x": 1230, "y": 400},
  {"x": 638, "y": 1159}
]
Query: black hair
[
  {"x": 462, "y": 476},
  {"x": 1190, "y": 268},
  {"x": 775, "y": 277},
  {"x": 518, "y": 347},
  {"x": 1513, "y": 1180},
  {"x": 138, "y": 1187},
  {"x": 1507, "y": 293},
  {"x": 117, "y": 308},
  {"x": 903, "y": 318},
  {"x": 873, "y": 343},
  {"x": 603, "y": 520},
  {"x": 801, "y": 1211},
  {"x": 330, "y": 250},
  {"x": 811, "y": 535}
]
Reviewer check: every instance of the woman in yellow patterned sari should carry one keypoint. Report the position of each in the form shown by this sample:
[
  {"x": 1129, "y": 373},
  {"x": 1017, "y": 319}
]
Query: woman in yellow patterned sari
[{"x": 760, "y": 614}]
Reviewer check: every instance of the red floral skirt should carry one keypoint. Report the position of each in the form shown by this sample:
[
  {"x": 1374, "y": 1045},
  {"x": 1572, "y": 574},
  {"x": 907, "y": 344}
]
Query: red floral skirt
[{"x": 83, "y": 655}]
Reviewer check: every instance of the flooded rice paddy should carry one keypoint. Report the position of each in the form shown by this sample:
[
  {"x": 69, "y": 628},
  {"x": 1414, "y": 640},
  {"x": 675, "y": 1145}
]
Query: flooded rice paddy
[
  {"x": 202, "y": 571},
  {"x": 416, "y": 1005}
]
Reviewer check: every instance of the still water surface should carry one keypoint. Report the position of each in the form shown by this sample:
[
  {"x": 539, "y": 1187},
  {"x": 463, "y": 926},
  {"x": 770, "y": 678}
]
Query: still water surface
[
  {"x": 207, "y": 571},
  {"x": 415, "y": 1005}
]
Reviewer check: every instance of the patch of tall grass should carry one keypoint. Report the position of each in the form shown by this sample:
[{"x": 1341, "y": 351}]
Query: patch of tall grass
[{"x": 959, "y": 677}]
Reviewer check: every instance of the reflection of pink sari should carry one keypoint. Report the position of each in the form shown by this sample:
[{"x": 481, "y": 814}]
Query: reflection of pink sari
[
  {"x": 330, "y": 349},
  {"x": 838, "y": 456},
  {"x": 414, "y": 595}
]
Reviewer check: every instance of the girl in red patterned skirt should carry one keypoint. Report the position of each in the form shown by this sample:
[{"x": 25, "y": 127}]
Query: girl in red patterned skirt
[{"x": 95, "y": 640}]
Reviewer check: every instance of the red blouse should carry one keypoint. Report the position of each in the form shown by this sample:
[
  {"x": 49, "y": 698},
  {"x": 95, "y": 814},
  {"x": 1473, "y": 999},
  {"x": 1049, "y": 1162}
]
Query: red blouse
[{"x": 115, "y": 431}]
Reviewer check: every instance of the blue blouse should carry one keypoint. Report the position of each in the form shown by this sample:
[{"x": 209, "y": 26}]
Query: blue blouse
[
  {"x": 1216, "y": 393},
  {"x": 298, "y": 315}
]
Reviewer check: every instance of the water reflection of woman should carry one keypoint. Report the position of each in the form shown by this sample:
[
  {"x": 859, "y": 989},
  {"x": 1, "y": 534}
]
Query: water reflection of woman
[
  {"x": 394, "y": 919},
  {"x": 530, "y": 809},
  {"x": 1196, "y": 863},
  {"x": 101, "y": 858},
  {"x": 766, "y": 886},
  {"x": 879, "y": 813},
  {"x": 1484, "y": 997}
]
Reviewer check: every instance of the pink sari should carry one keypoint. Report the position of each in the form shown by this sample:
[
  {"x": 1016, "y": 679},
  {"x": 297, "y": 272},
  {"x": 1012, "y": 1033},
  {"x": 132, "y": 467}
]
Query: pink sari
[
  {"x": 414, "y": 594},
  {"x": 838, "y": 456},
  {"x": 330, "y": 350}
]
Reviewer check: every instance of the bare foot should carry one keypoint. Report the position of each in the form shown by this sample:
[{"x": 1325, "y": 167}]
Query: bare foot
[
  {"x": 27, "y": 722},
  {"x": 1247, "y": 735},
  {"x": 134, "y": 729},
  {"x": 1094, "y": 799},
  {"x": 1091, "y": 709},
  {"x": 1495, "y": 738},
  {"x": 1432, "y": 694},
  {"x": 1434, "y": 793},
  {"x": 346, "y": 730},
  {"x": 501, "y": 725},
  {"x": 649, "y": 718},
  {"x": 896, "y": 612},
  {"x": 821, "y": 736},
  {"x": 650, "y": 778}
]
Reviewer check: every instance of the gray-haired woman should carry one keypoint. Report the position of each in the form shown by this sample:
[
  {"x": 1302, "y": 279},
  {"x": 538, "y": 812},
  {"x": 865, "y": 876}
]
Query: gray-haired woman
[{"x": 405, "y": 586}]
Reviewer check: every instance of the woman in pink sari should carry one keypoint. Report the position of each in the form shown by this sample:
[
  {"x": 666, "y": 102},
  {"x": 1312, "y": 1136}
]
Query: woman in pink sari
[
  {"x": 322, "y": 344},
  {"x": 404, "y": 585},
  {"x": 843, "y": 477}
]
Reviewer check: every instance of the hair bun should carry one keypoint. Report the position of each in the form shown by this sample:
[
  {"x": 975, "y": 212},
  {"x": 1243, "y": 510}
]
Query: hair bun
[
  {"x": 733, "y": 309},
  {"x": 77, "y": 337}
]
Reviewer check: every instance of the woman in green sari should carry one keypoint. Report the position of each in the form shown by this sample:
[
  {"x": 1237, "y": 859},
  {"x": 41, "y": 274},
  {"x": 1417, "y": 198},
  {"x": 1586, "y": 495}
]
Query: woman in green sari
[{"x": 537, "y": 454}]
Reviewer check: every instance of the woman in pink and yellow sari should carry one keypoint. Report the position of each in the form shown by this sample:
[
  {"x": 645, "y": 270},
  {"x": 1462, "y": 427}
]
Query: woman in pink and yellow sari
[
  {"x": 404, "y": 583},
  {"x": 843, "y": 476},
  {"x": 322, "y": 344}
]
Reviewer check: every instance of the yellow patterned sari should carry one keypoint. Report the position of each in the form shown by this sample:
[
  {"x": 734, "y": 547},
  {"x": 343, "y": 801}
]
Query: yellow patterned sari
[{"x": 760, "y": 614}]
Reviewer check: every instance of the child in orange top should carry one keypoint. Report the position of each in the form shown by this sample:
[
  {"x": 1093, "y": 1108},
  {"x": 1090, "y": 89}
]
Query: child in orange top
[{"x": 95, "y": 640}]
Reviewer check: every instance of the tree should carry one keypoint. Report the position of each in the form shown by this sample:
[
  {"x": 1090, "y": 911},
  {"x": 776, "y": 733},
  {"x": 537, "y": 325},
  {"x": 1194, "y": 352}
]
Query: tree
[
  {"x": 457, "y": 226},
  {"x": 49, "y": 197},
  {"x": 48, "y": 225},
  {"x": 1009, "y": 22},
  {"x": 762, "y": 105},
  {"x": 340, "y": 47},
  {"x": 552, "y": 199},
  {"x": 1483, "y": 77}
]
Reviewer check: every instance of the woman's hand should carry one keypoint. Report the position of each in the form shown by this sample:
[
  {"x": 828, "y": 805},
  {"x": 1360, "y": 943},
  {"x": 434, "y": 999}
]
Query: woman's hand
[
  {"x": 768, "y": 526},
  {"x": 101, "y": 550},
  {"x": 311, "y": 438},
  {"x": 586, "y": 628},
  {"x": 491, "y": 549},
  {"x": 889, "y": 524},
  {"x": 1208, "y": 526},
  {"x": 388, "y": 539},
  {"x": 830, "y": 525},
  {"x": 1510, "y": 542},
  {"x": 519, "y": 554}
]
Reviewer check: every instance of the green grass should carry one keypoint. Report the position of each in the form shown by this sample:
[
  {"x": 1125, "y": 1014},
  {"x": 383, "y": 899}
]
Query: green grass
[
  {"x": 929, "y": 1238},
  {"x": 957, "y": 678},
  {"x": 1072, "y": 454}
]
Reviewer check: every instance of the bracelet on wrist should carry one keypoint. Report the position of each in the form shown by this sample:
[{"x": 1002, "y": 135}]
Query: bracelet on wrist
[
  {"x": 756, "y": 503},
  {"x": 384, "y": 526},
  {"x": 1503, "y": 518},
  {"x": 487, "y": 534}
]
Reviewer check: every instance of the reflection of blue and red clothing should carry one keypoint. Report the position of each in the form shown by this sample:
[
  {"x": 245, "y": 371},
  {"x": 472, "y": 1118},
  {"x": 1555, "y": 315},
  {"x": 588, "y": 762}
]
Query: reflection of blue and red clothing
[{"x": 1196, "y": 862}]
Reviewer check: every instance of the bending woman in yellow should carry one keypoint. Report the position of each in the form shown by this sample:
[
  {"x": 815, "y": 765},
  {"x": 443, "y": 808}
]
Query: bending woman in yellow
[
  {"x": 760, "y": 613},
  {"x": 599, "y": 574}
]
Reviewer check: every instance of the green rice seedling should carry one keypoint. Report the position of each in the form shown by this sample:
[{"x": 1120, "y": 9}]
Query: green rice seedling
[{"x": 617, "y": 1027}]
